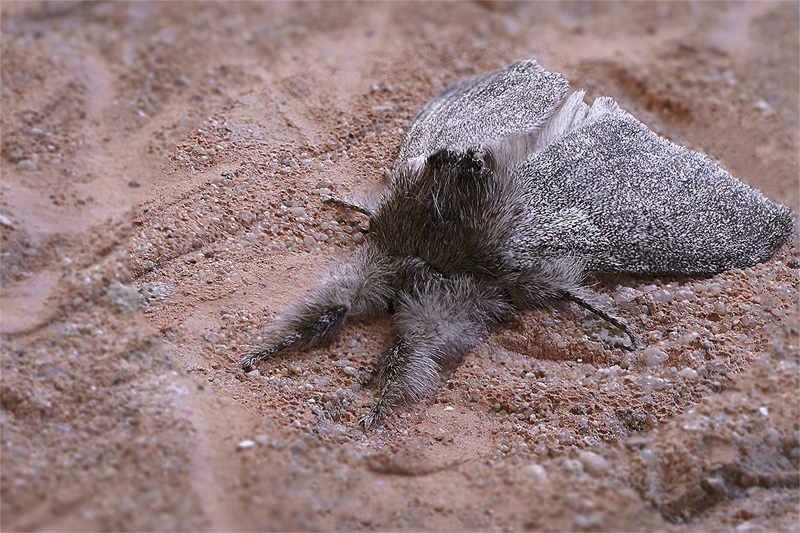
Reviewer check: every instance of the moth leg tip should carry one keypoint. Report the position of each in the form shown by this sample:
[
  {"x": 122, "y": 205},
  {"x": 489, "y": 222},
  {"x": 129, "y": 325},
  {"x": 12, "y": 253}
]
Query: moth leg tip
[
  {"x": 366, "y": 422},
  {"x": 376, "y": 413}
]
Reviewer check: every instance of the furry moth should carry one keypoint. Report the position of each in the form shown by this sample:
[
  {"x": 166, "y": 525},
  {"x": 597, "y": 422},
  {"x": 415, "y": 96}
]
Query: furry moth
[{"x": 505, "y": 193}]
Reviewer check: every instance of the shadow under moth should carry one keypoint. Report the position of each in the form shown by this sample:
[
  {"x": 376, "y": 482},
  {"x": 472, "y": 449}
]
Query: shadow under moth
[{"x": 506, "y": 192}]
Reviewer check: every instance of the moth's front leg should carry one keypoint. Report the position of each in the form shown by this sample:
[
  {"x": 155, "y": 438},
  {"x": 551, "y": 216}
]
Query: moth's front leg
[
  {"x": 358, "y": 288},
  {"x": 439, "y": 321}
]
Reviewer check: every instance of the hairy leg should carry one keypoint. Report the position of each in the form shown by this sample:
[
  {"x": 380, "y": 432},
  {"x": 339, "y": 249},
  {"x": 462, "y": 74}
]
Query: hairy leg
[
  {"x": 440, "y": 321},
  {"x": 357, "y": 288}
]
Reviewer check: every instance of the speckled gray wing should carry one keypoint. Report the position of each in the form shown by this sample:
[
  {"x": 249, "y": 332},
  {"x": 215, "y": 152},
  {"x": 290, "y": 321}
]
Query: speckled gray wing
[
  {"x": 624, "y": 199},
  {"x": 514, "y": 100}
]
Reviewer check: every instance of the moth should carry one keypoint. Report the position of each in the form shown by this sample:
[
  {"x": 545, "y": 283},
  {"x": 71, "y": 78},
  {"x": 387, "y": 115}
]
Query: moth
[{"x": 505, "y": 194}]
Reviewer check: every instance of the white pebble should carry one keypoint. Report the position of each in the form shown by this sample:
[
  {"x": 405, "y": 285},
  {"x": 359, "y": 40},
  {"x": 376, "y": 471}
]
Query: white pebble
[
  {"x": 535, "y": 471},
  {"x": 6, "y": 222},
  {"x": 684, "y": 295},
  {"x": 689, "y": 373},
  {"x": 593, "y": 463},
  {"x": 625, "y": 295},
  {"x": 247, "y": 216},
  {"x": 662, "y": 296},
  {"x": 27, "y": 164},
  {"x": 653, "y": 356},
  {"x": 572, "y": 466},
  {"x": 309, "y": 241},
  {"x": 246, "y": 444},
  {"x": 358, "y": 238},
  {"x": 773, "y": 437}
]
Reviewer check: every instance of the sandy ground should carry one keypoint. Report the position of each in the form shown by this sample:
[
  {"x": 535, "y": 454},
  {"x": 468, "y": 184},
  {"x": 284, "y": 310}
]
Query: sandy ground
[{"x": 162, "y": 172}]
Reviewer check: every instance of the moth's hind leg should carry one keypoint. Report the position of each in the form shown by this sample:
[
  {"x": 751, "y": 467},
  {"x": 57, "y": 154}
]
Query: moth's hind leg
[
  {"x": 588, "y": 299},
  {"x": 553, "y": 279},
  {"x": 439, "y": 322},
  {"x": 358, "y": 288}
]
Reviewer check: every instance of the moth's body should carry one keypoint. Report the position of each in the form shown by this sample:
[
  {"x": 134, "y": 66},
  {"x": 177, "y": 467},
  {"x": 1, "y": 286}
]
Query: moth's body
[{"x": 504, "y": 195}]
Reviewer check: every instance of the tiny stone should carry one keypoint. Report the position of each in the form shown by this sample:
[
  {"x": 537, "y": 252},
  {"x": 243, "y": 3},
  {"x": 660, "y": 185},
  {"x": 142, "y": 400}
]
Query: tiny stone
[
  {"x": 688, "y": 373},
  {"x": 247, "y": 216},
  {"x": 749, "y": 320},
  {"x": 27, "y": 164},
  {"x": 246, "y": 444},
  {"x": 351, "y": 343},
  {"x": 593, "y": 463},
  {"x": 572, "y": 466},
  {"x": 625, "y": 295},
  {"x": 662, "y": 296},
  {"x": 349, "y": 370},
  {"x": 358, "y": 238},
  {"x": 309, "y": 241},
  {"x": 6, "y": 222},
  {"x": 773, "y": 437},
  {"x": 262, "y": 439},
  {"x": 684, "y": 295},
  {"x": 133, "y": 184},
  {"x": 535, "y": 471},
  {"x": 653, "y": 356}
]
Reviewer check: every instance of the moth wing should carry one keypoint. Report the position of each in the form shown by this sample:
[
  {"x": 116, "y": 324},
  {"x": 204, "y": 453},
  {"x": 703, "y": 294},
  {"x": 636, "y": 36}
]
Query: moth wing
[
  {"x": 624, "y": 199},
  {"x": 512, "y": 101}
]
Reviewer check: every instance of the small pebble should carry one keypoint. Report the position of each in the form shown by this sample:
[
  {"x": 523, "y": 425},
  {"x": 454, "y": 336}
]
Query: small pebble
[
  {"x": 662, "y": 296},
  {"x": 535, "y": 471},
  {"x": 652, "y": 356},
  {"x": 246, "y": 444},
  {"x": 593, "y": 463},
  {"x": 689, "y": 373},
  {"x": 625, "y": 295},
  {"x": 684, "y": 295},
  {"x": 572, "y": 466},
  {"x": 27, "y": 164}
]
